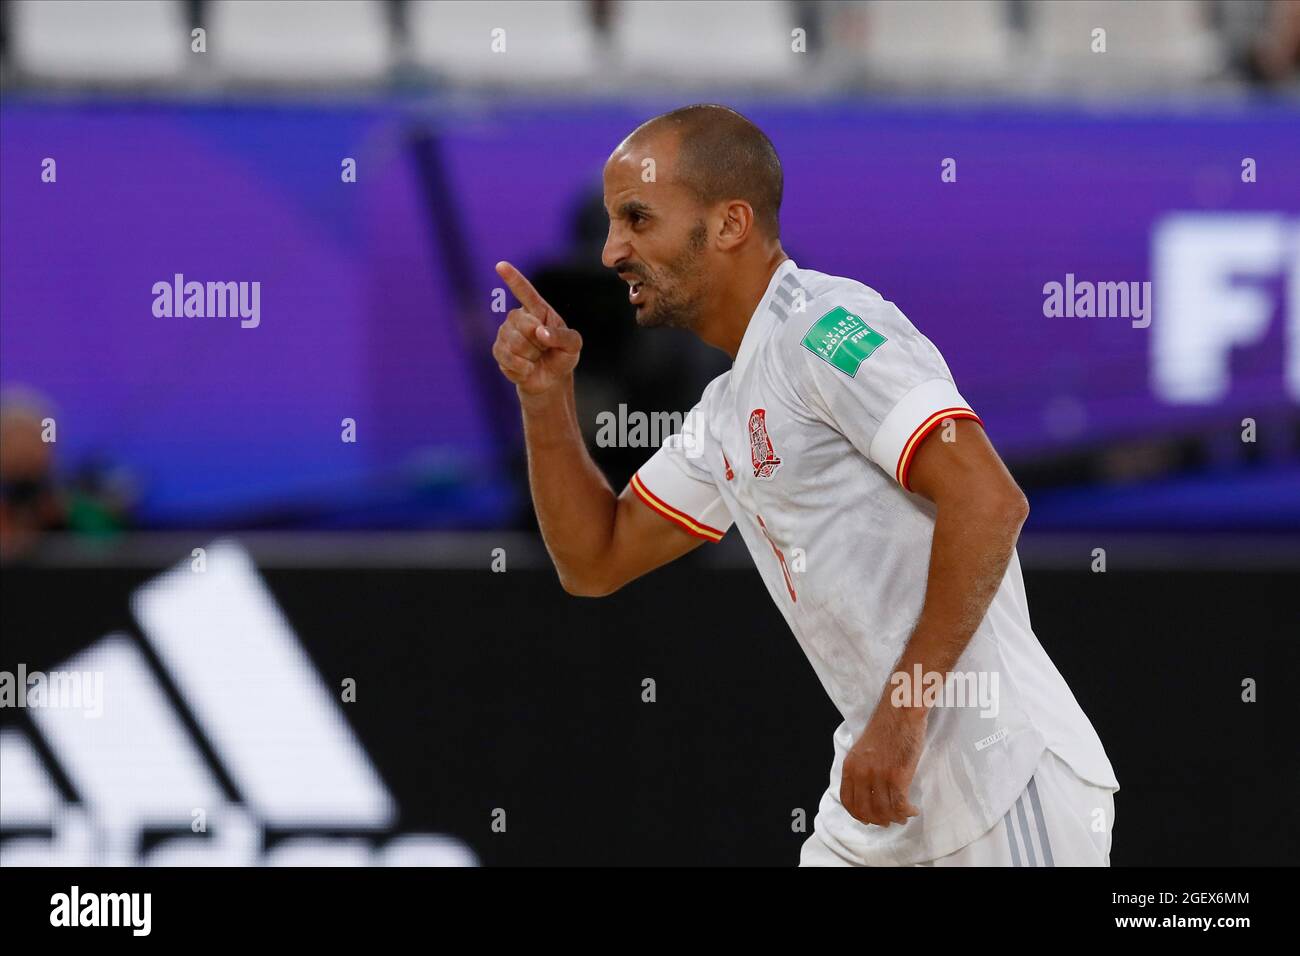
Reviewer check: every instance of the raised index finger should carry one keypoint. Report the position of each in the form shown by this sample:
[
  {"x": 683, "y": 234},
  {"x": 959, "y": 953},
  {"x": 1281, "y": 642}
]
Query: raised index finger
[{"x": 523, "y": 289}]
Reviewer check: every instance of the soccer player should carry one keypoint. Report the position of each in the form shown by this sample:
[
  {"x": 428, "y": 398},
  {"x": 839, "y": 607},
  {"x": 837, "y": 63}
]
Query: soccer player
[{"x": 839, "y": 434}]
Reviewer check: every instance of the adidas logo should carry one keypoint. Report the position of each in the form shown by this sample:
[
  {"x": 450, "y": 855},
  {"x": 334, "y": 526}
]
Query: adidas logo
[{"x": 149, "y": 793}]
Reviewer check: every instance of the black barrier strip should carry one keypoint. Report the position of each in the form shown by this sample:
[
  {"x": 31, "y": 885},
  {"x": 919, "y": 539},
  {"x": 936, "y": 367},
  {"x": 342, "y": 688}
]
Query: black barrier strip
[{"x": 465, "y": 550}]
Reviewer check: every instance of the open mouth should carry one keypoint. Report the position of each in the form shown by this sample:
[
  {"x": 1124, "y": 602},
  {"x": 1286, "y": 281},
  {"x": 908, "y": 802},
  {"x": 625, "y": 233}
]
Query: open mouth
[{"x": 635, "y": 292}]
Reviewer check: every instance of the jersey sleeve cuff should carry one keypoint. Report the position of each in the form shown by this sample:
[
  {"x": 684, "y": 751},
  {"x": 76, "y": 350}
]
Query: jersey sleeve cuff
[
  {"x": 917, "y": 413},
  {"x": 687, "y": 502}
]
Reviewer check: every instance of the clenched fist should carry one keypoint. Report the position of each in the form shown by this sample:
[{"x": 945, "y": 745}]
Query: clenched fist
[{"x": 534, "y": 348}]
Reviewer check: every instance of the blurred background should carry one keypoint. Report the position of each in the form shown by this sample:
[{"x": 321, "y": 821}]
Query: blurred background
[{"x": 345, "y": 468}]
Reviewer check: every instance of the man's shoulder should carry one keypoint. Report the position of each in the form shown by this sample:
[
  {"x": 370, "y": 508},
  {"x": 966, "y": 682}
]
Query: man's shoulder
[
  {"x": 817, "y": 286},
  {"x": 715, "y": 385},
  {"x": 697, "y": 416},
  {"x": 837, "y": 323}
]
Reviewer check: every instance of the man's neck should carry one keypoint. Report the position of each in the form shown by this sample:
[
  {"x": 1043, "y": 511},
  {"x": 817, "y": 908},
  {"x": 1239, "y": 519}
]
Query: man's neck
[{"x": 729, "y": 319}]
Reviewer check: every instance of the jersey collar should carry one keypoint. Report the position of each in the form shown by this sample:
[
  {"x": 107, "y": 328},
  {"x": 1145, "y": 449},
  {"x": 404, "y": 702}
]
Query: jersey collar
[{"x": 749, "y": 341}]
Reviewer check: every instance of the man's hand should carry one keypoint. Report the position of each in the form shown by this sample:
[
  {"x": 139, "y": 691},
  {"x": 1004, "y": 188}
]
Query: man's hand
[
  {"x": 534, "y": 348},
  {"x": 879, "y": 768}
]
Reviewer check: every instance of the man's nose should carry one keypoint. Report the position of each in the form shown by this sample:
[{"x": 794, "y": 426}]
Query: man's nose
[{"x": 615, "y": 251}]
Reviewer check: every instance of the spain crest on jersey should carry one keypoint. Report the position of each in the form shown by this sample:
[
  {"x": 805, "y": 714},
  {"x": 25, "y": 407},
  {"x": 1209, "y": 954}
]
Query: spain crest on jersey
[{"x": 760, "y": 446}]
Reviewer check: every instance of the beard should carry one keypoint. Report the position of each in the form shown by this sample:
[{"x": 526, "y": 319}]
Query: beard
[{"x": 675, "y": 299}]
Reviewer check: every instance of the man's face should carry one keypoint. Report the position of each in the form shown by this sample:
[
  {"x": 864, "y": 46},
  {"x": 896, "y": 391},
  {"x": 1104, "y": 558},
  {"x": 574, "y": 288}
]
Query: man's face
[{"x": 658, "y": 240}]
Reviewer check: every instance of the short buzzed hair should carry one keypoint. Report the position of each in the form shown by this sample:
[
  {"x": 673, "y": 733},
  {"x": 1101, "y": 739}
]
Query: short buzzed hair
[{"x": 722, "y": 155}]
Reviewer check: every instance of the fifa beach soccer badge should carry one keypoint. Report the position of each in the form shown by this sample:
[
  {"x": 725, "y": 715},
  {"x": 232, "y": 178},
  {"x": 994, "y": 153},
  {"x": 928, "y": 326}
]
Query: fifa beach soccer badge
[
  {"x": 760, "y": 446},
  {"x": 842, "y": 339}
]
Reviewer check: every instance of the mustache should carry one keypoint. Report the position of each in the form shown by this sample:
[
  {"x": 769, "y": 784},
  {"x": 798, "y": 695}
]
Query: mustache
[{"x": 632, "y": 269}]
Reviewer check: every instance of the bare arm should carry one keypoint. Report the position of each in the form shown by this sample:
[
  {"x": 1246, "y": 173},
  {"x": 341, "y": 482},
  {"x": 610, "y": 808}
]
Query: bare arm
[
  {"x": 598, "y": 541},
  {"x": 979, "y": 512}
]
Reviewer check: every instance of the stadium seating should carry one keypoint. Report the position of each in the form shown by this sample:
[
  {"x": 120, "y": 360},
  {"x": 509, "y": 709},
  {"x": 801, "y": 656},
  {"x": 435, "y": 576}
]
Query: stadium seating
[
  {"x": 300, "y": 41},
  {"x": 546, "y": 43},
  {"x": 903, "y": 42},
  {"x": 1154, "y": 45},
  {"x": 705, "y": 41},
  {"x": 1014, "y": 46},
  {"x": 109, "y": 42}
]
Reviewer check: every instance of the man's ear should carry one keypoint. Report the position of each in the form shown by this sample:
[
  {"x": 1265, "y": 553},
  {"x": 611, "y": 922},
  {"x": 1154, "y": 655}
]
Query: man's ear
[{"x": 737, "y": 223}]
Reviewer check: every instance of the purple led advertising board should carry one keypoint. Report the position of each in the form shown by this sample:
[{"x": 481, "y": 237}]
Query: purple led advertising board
[{"x": 1091, "y": 275}]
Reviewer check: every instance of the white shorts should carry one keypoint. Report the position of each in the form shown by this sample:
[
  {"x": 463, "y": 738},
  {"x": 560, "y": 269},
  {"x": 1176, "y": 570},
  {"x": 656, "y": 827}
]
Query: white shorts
[{"x": 1059, "y": 820}]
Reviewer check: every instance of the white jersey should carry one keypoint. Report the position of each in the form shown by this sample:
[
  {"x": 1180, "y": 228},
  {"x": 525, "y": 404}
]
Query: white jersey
[{"x": 805, "y": 446}]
